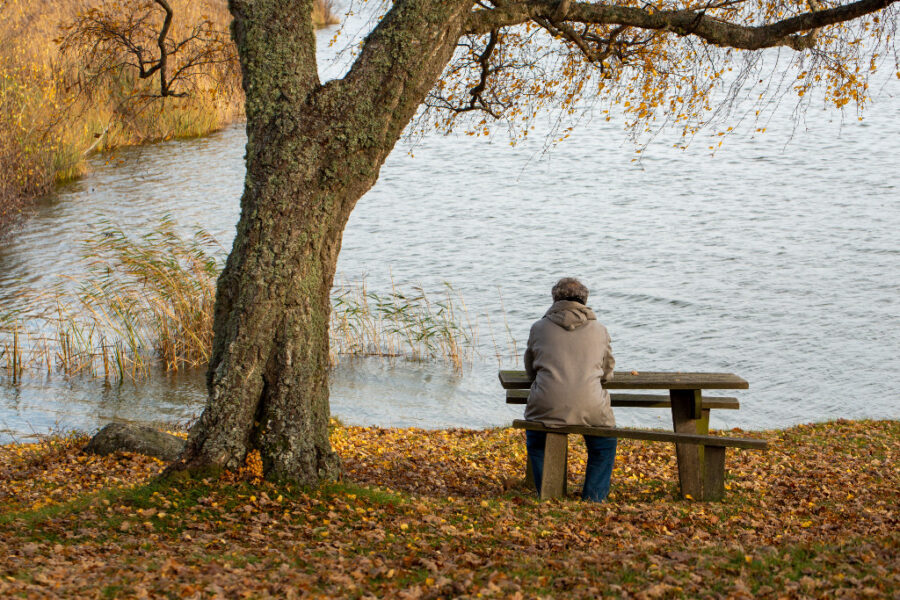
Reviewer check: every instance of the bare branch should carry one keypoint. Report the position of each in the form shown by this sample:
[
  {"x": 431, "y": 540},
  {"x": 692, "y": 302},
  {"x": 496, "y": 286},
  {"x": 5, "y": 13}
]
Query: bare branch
[
  {"x": 109, "y": 42},
  {"x": 161, "y": 44},
  {"x": 485, "y": 61},
  {"x": 562, "y": 29}
]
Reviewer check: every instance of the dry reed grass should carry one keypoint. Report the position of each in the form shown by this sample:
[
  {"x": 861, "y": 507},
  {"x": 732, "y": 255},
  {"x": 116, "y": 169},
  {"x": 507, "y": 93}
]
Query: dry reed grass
[
  {"x": 143, "y": 303},
  {"x": 47, "y": 129},
  {"x": 147, "y": 303},
  {"x": 399, "y": 324}
]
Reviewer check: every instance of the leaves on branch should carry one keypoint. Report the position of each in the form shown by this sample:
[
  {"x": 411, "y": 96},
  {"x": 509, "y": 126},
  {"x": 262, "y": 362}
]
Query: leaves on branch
[{"x": 671, "y": 62}]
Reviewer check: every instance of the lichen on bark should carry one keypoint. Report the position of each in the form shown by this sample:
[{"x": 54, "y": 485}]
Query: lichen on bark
[{"x": 313, "y": 150}]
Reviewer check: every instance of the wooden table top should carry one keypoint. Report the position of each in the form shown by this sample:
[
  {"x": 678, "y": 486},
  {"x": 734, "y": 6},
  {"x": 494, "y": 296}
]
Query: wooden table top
[{"x": 646, "y": 380}]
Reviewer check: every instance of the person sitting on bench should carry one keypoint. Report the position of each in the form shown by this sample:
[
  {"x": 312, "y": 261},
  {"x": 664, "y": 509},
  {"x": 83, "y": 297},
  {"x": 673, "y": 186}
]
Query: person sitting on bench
[{"x": 569, "y": 358}]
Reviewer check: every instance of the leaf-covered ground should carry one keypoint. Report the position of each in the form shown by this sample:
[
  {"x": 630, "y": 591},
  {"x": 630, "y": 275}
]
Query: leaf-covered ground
[{"x": 429, "y": 514}]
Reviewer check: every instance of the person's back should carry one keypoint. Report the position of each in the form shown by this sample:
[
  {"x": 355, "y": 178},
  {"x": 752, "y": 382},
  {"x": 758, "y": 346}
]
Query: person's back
[{"x": 569, "y": 357}]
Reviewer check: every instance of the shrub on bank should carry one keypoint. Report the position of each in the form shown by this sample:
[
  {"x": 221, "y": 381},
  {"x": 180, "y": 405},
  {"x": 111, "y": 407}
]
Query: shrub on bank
[
  {"x": 50, "y": 122},
  {"x": 48, "y": 127}
]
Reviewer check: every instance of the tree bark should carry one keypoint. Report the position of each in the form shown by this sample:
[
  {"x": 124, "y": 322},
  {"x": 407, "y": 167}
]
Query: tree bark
[{"x": 312, "y": 151}]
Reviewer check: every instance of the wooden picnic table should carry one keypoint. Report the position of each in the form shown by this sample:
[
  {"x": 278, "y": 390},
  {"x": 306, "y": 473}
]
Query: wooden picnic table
[{"x": 689, "y": 407}]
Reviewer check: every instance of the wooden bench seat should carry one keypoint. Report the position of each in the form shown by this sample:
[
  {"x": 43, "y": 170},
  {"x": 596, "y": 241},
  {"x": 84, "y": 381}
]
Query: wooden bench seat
[
  {"x": 706, "y": 477},
  {"x": 640, "y": 400}
]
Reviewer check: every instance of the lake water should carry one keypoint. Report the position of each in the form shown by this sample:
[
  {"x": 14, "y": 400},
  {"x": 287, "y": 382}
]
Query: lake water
[{"x": 777, "y": 259}]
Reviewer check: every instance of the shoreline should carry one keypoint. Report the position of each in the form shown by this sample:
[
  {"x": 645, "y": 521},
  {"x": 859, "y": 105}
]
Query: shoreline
[
  {"x": 182, "y": 426},
  {"x": 20, "y": 208}
]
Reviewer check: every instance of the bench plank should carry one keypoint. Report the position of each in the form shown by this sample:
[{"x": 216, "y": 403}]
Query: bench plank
[
  {"x": 649, "y": 380},
  {"x": 638, "y": 400},
  {"x": 706, "y": 481},
  {"x": 648, "y": 435}
]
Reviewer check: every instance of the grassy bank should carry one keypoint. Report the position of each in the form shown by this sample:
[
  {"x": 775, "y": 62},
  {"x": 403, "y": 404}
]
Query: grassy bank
[
  {"x": 428, "y": 514},
  {"x": 49, "y": 125}
]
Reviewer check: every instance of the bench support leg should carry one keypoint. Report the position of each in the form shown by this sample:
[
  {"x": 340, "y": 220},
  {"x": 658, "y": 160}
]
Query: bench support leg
[
  {"x": 713, "y": 473},
  {"x": 688, "y": 416},
  {"x": 529, "y": 473},
  {"x": 556, "y": 455}
]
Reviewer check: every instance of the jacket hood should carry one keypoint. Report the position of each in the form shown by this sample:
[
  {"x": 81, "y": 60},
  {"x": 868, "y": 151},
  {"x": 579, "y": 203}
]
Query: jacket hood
[{"x": 570, "y": 315}]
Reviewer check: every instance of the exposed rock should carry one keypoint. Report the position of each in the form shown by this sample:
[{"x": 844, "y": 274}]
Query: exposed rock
[{"x": 135, "y": 438}]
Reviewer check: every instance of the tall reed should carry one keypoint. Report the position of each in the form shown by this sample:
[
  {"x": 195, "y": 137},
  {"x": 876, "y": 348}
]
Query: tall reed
[
  {"x": 365, "y": 323},
  {"x": 143, "y": 302},
  {"x": 147, "y": 303},
  {"x": 153, "y": 293}
]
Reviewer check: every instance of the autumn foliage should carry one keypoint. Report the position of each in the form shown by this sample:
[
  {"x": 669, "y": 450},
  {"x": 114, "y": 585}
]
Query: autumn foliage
[
  {"x": 429, "y": 514},
  {"x": 636, "y": 61}
]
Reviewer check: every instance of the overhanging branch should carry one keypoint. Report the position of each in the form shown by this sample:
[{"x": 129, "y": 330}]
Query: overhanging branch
[{"x": 786, "y": 32}]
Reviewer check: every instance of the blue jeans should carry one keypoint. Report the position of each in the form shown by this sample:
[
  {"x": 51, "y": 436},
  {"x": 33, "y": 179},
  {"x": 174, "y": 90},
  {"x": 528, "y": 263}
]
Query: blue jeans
[{"x": 601, "y": 455}]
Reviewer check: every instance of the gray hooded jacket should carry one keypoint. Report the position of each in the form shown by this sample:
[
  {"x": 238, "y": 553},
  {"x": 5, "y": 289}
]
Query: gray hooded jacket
[{"x": 569, "y": 356}]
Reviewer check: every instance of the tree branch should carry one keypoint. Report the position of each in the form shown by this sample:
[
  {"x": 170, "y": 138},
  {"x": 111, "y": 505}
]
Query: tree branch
[
  {"x": 562, "y": 29},
  {"x": 484, "y": 59},
  {"x": 680, "y": 22},
  {"x": 161, "y": 44},
  {"x": 400, "y": 61},
  {"x": 277, "y": 53}
]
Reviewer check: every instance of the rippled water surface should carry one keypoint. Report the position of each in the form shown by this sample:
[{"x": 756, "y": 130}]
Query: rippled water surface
[{"x": 777, "y": 259}]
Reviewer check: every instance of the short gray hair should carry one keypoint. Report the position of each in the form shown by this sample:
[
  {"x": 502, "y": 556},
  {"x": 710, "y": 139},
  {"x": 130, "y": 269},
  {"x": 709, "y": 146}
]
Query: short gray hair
[{"x": 569, "y": 288}]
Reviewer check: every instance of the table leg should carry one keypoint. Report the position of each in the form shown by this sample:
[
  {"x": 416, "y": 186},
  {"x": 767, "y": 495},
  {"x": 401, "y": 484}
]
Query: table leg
[{"x": 688, "y": 417}]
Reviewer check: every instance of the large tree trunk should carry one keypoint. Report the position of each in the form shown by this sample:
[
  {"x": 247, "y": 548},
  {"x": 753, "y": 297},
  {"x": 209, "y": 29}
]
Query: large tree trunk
[{"x": 312, "y": 152}]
